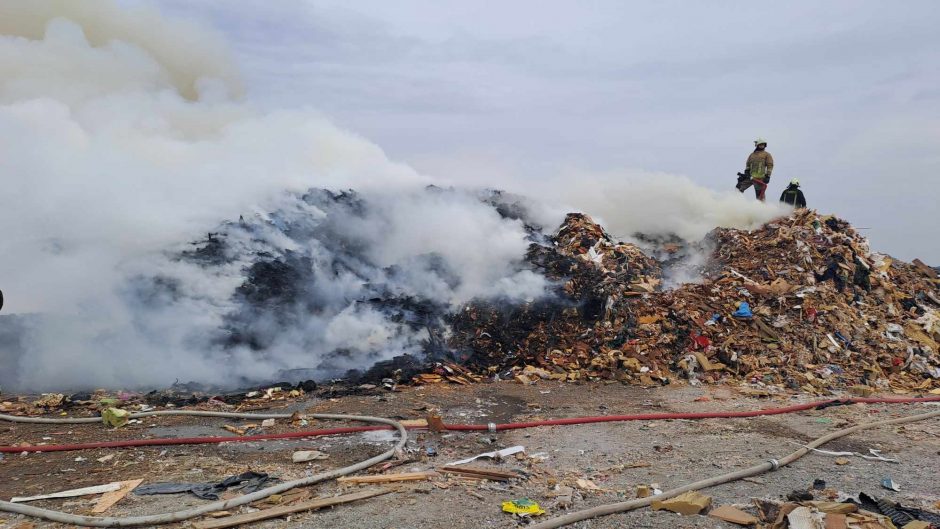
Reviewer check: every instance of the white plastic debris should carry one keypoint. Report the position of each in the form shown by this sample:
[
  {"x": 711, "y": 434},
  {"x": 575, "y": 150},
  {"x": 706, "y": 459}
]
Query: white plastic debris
[
  {"x": 498, "y": 454},
  {"x": 302, "y": 456}
]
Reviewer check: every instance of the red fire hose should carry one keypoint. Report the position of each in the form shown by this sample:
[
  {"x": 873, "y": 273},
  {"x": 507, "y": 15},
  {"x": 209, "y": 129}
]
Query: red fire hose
[{"x": 473, "y": 427}]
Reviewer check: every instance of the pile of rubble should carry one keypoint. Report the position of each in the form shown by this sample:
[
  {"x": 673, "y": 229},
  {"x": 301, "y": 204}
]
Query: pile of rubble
[{"x": 821, "y": 312}]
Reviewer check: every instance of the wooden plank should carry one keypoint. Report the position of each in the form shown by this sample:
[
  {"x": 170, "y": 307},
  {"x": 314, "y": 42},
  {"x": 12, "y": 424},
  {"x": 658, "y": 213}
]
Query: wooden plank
[
  {"x": 110, "y": 498},
  {"x": 277, "y": 512},
  {"x": 86, "y": 491},
  {"x": 414, "y": 423},
  {"x": 482, "y": 473},
  {"x": 389, "y": 478}
]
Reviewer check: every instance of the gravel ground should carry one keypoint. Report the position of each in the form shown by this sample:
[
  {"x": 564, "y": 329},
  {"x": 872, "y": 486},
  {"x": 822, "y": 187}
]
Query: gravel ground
[{"x": 676, "y": 451}]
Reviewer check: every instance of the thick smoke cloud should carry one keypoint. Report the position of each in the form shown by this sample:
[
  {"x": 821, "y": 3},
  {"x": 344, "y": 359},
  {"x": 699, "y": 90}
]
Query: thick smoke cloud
[{"x": 122, "y": 137}]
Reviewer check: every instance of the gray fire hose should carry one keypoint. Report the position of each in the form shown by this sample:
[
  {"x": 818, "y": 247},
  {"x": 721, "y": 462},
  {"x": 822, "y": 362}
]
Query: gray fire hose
[{"x": 185, "y": 514}]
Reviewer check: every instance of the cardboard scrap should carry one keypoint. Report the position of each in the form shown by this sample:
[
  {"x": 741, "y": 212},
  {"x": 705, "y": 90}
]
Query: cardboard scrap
[
  {"x": 687, "y": 503},
  {"x": 586, "y": 484},
  {"x": 836, "y": 521},
  {"x": 707, "y": 364},
  {"x": 806, "y": 518},
  {"x": 733, "y": 515}
]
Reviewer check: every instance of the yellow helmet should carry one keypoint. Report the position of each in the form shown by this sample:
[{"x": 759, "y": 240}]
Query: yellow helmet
[
  {"x": 758, "y": 141},
  {"x": 795, "y": 182}
]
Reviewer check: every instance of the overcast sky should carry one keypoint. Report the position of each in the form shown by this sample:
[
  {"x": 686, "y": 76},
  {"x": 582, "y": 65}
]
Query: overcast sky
[{"x": 847, "y": 92}]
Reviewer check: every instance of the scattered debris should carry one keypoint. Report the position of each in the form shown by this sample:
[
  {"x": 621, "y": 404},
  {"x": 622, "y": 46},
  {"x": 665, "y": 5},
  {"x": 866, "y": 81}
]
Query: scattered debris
[
  {"x": 873, "y": 455},
  {"x": 806, "y": 518},
  {"x": 800, "y": 495},
  {"x": 115, "y": 417},
  {"x": 50, "y": 400},
  {"x": 302, "y": 456},
  {"x": 563, "y": 496},
  {"x": 687, "y": 503},
  {"x": 523, "y": 507},
  {"x": 498, "y": 454},
  {"x": 277, "y": 512},
  {"x": 889, "y": 484}
]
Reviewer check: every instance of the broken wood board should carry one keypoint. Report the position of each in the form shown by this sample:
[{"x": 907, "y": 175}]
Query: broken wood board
[
  {"x": 831, "y": 506},
  {"x": 389, "y": 478},
  {"x": 108, "y": 499},
  {"x": 276, "y": 512},
  {"x": 72, "y": 493},
  {"x": 481, "y": 473},
  {"x": 291, "y": 496}
]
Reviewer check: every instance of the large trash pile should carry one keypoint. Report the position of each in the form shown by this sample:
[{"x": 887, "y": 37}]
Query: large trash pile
[{"x": 800, "y": 303}]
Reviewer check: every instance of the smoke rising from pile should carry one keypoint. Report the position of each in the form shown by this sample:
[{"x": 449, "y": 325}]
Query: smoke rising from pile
[{"x": 123, "y": 136}]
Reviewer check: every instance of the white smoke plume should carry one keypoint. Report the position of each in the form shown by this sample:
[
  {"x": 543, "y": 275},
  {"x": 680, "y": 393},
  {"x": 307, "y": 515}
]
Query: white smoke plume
[{"x": 123, "y": 136}]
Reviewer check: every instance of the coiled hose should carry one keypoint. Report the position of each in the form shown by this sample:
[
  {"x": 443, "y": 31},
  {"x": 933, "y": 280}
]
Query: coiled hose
[{"x": 185, "y": 514}]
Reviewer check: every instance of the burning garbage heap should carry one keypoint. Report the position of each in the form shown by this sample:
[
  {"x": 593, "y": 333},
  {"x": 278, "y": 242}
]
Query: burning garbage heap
[
  {"x": 821, "y": 312},
  {"x": 596, "y": 278}
]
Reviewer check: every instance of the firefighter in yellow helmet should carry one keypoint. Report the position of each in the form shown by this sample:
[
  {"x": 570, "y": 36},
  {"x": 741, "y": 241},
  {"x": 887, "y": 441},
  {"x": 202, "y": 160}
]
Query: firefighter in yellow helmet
[
  {"x": 757, "y": 170},
  {"x": 793, "y": 195}
]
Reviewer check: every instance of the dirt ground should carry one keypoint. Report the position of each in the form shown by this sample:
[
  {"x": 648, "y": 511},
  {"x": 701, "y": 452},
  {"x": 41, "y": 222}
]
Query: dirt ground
[{"x": 616, "y": 457}]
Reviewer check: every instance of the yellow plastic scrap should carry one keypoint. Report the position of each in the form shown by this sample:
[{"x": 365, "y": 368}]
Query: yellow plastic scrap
[
  {"x": 115, "y": 417},
  {"x": 523, "y": 507}
]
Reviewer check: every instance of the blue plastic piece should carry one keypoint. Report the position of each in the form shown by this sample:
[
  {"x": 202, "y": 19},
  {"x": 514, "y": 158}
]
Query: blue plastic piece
[{"x": 744, "y": 311}]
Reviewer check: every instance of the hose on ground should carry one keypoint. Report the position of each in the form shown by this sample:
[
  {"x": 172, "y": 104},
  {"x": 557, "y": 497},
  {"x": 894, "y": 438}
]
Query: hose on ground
[
  {"x": 453, "y": 427},
  {"x": 185, "y": 514},
  {"x": 613, "y": 508},
  {"x": 195, "y": 413}
]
